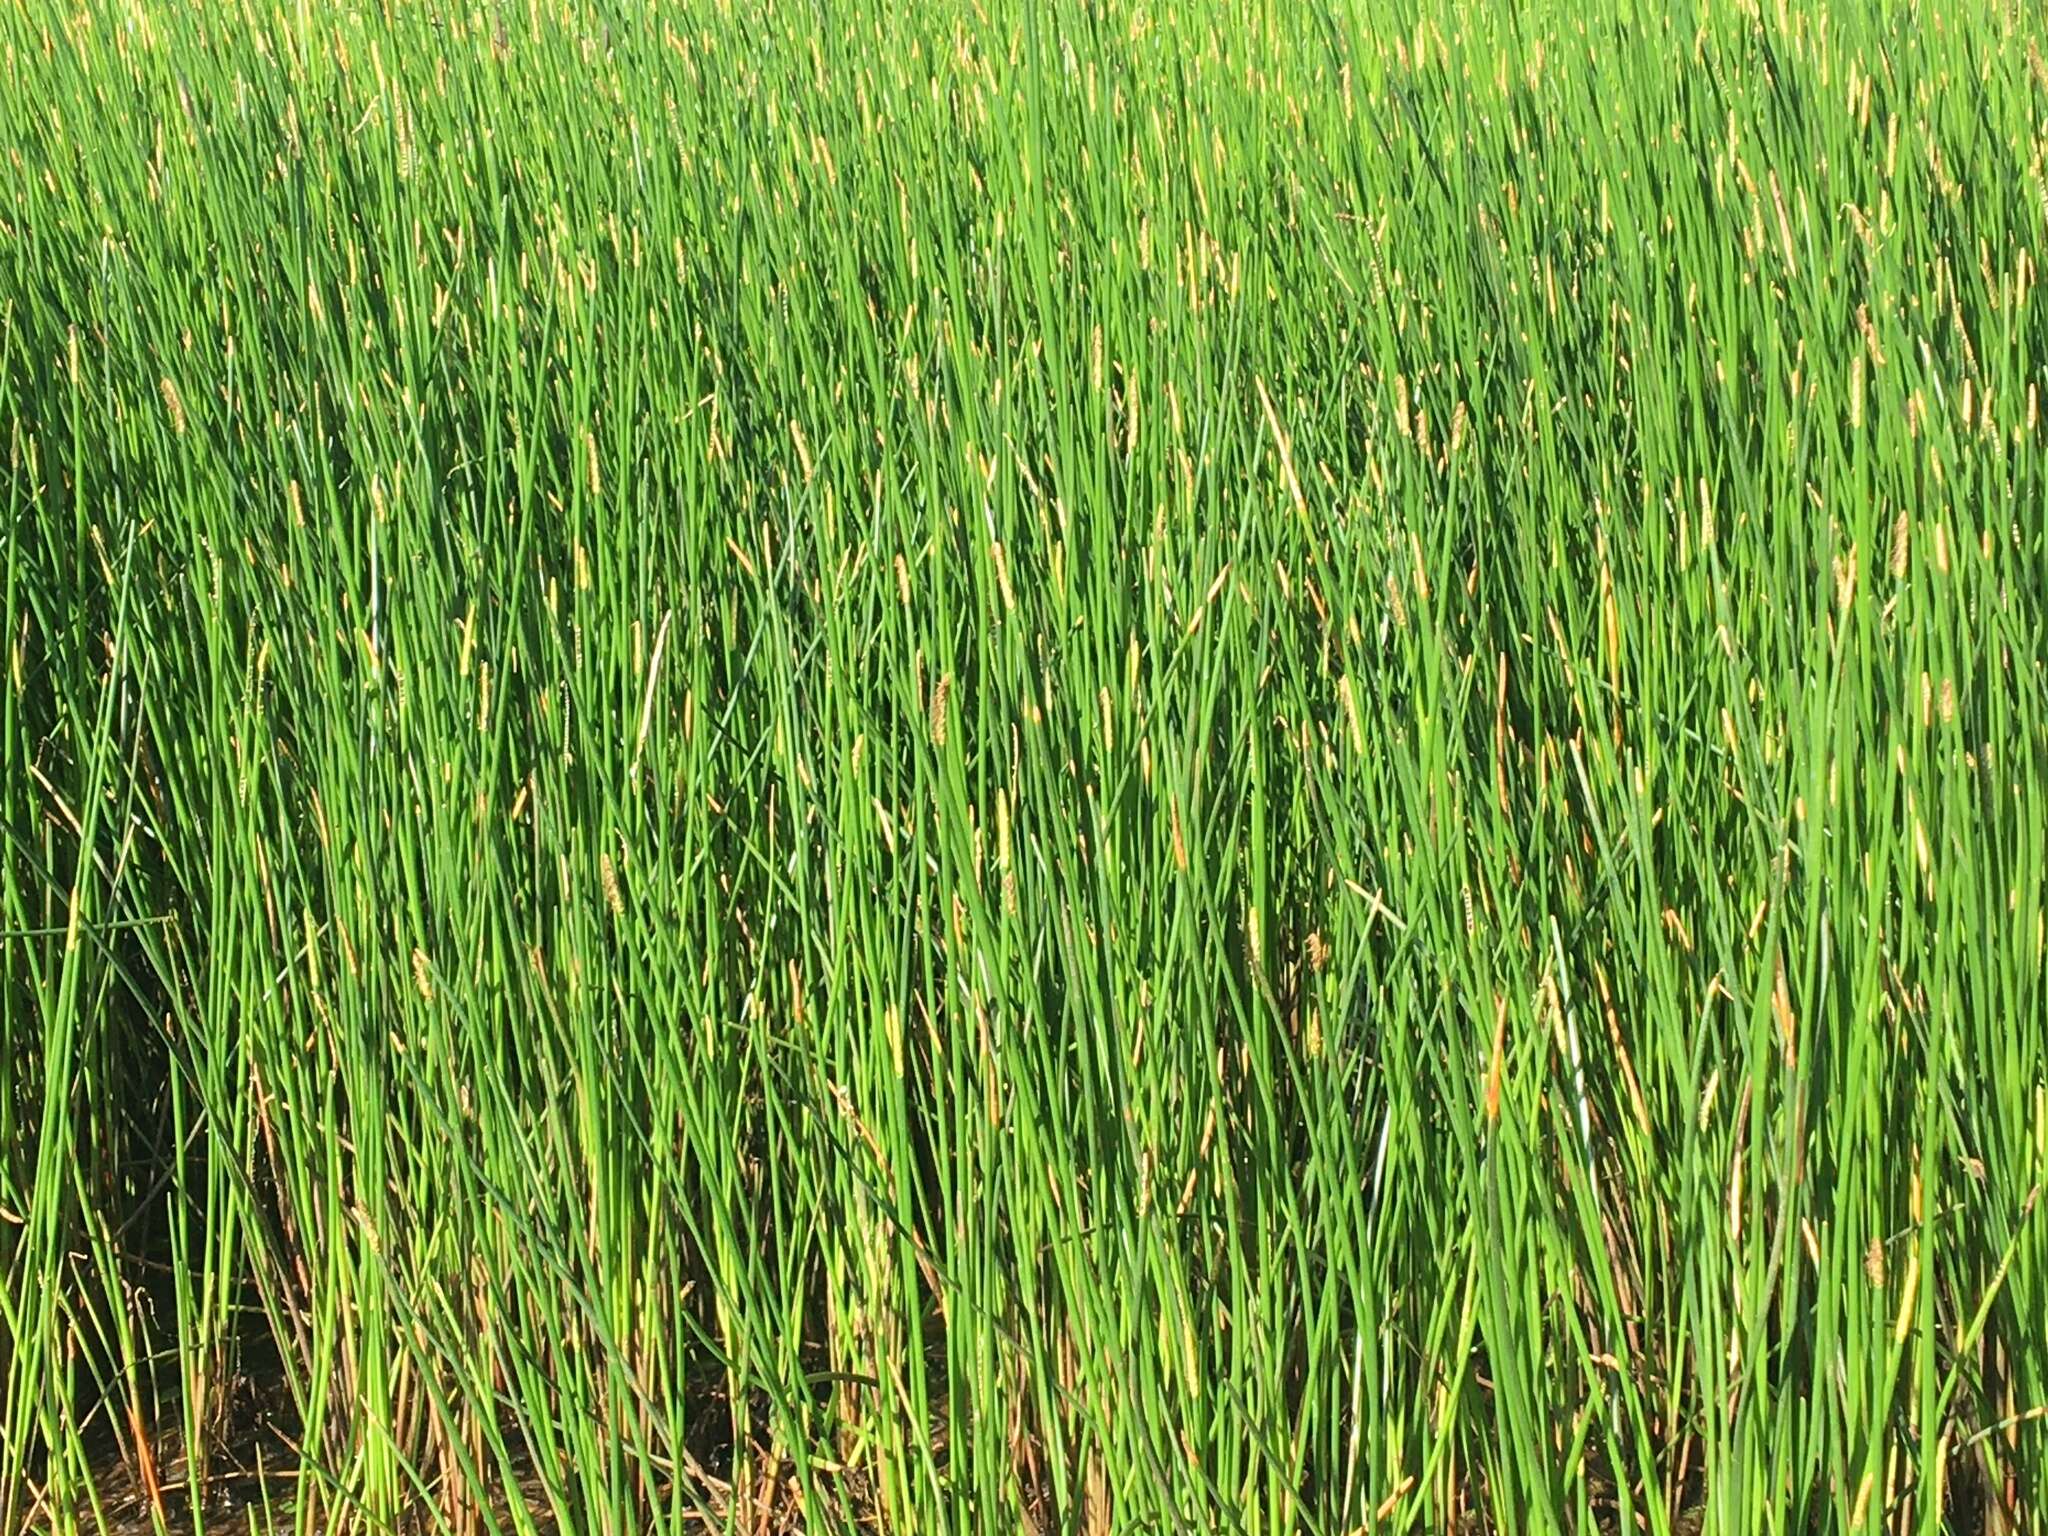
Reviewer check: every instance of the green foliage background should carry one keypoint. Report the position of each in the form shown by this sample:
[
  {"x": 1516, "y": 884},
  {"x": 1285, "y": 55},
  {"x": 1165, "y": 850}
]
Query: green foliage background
[{"x": 1075, "y": 768}]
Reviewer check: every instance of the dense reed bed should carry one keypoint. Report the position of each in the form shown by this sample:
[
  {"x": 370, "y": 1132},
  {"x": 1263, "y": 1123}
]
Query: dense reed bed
[{"x": 985, "y": 768}]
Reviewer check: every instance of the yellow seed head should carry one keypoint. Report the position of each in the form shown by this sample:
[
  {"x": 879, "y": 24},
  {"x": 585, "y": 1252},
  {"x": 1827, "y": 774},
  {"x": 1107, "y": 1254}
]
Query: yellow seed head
[
  {"x": 938, "y": 712},
  {"x": 173, "y": 403},
  {"x": 1002, "y": 564},
  {"x": 1349, "y": 697}
]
